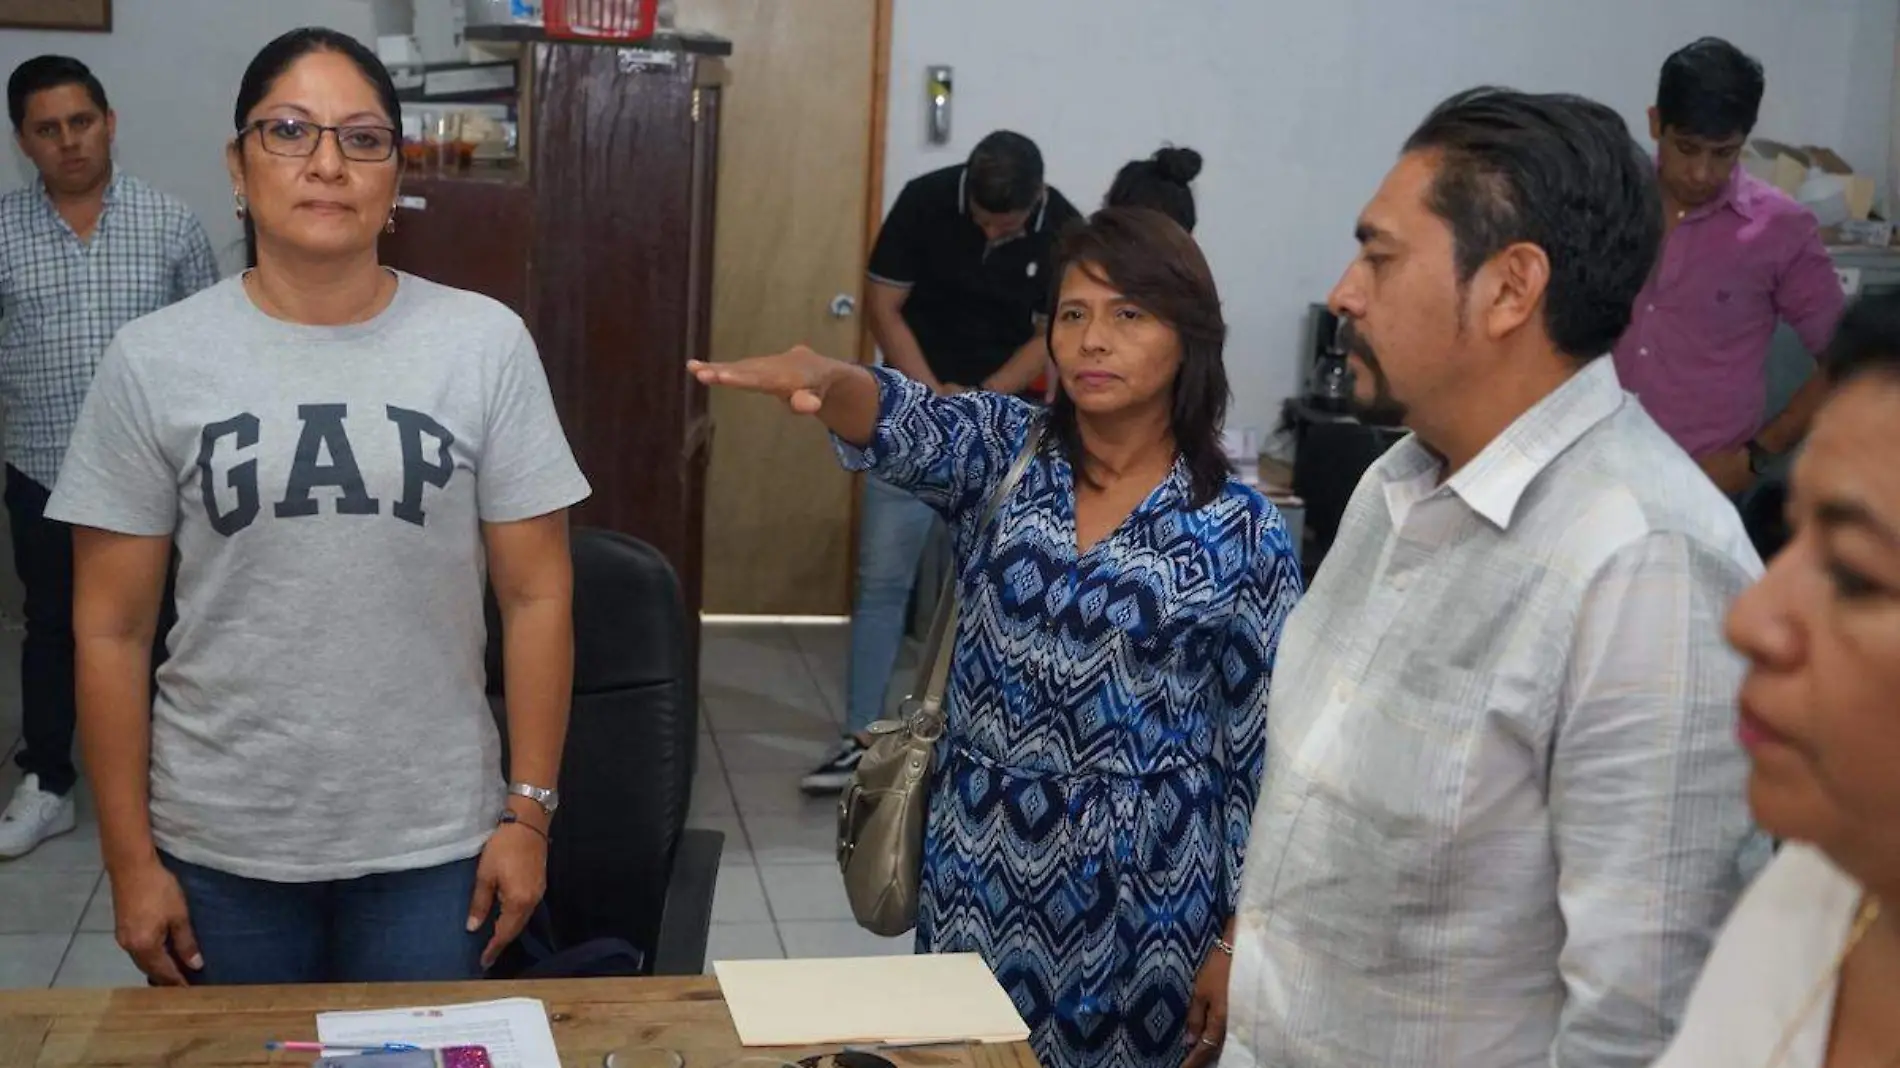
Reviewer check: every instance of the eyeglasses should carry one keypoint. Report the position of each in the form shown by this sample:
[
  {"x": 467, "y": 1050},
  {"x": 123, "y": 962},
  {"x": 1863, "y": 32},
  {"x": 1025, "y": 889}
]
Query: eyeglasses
[{"x": 297, "y": 137}]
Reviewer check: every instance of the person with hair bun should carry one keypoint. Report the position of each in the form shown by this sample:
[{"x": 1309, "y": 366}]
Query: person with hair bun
[{"x": 1160, "y": 182}]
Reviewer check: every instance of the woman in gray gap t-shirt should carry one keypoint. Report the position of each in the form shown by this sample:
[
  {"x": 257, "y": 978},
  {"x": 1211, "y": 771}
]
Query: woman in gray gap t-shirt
[{"x": 340, "y": 455}]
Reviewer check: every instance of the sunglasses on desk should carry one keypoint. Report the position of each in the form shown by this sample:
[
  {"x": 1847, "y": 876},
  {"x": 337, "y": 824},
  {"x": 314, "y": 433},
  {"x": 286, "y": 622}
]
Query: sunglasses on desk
[{"x": 849, "y": 1058}]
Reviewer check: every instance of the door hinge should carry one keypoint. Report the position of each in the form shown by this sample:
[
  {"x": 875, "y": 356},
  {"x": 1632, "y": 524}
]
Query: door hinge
[{"x": 696, "y": 105}]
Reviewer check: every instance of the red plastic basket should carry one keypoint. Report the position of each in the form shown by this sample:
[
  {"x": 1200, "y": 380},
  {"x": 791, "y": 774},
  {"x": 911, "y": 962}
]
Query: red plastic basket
[{"x": 601, "y": 20}]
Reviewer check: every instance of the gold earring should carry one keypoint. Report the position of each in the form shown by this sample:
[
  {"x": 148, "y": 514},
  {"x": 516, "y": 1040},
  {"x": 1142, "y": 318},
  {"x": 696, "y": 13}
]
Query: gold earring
[{"x": 243, "y": 206}]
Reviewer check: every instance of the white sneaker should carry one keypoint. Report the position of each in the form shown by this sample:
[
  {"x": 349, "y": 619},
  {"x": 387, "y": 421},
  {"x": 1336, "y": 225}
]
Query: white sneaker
[
  {"x": 835, "y": 773},
  {"x": 32, "y": 817}
]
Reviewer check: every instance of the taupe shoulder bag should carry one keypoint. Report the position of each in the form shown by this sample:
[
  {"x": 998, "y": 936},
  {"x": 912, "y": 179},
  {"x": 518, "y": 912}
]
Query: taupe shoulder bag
[{"x": 881, "y": 816}]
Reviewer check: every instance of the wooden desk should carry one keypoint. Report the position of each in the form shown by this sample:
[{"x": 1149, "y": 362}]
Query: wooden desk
[{"x": 226, "y": 1027}]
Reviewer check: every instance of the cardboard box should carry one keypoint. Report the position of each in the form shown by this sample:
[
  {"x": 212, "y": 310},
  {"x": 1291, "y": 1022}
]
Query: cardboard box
[
  {"x": 1859, "y": 188},
  {"x": 1782, "y": 166},
  {"x": 1815, "y": 175}
]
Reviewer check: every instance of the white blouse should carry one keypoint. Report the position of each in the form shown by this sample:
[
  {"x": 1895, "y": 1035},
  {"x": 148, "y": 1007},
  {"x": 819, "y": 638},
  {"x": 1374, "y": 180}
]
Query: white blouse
[{"x": 1778, "y": 945}]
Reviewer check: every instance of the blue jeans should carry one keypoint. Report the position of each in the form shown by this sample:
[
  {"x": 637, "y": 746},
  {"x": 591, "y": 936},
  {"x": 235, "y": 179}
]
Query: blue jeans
[
  {"x": 406, "y": 926},
  {"x": 893, "y": 528}
]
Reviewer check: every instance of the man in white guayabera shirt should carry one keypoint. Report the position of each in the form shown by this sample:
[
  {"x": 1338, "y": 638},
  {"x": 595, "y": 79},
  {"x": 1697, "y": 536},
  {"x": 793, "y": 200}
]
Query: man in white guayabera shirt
[{"x": 1503, "y": 810}]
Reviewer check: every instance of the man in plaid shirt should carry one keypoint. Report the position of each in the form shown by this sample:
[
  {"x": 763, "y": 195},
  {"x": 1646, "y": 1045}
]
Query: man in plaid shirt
[{"x": 84, "y": 250}]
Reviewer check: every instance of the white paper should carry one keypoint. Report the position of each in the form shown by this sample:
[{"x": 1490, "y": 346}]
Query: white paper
[
  {"x": 514, "y": 1030},
  {"x": 909, "y": 1000}
]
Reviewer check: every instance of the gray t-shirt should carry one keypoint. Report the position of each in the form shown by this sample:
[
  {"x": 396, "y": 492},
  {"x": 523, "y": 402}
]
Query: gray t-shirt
[{"x": 321, "y": 715}]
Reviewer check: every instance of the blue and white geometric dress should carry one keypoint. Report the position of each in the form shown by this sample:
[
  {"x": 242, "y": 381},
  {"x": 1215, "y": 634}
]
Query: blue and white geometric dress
[{"x": 1106, "y": 727}]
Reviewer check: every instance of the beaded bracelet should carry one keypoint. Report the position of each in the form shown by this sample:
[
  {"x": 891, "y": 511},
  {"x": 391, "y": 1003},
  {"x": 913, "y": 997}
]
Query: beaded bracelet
[{"x": 508, "y": 816}]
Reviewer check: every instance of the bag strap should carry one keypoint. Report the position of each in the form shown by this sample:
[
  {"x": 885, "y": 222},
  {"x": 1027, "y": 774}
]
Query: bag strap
[{"x": 933, "y": 672}]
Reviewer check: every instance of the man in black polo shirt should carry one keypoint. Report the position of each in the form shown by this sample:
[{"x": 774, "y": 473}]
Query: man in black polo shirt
[{"x": 959, "y": 288}]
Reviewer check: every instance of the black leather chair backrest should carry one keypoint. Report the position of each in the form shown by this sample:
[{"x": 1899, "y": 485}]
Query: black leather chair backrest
[{"x": 626, "y": 774}]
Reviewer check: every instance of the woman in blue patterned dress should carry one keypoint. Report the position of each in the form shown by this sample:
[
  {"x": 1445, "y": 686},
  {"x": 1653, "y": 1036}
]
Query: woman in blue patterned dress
[{"x": 1107, "y": 700}]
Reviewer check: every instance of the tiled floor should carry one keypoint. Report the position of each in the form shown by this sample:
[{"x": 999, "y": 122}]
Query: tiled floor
[{"x": 772, "y": 703}]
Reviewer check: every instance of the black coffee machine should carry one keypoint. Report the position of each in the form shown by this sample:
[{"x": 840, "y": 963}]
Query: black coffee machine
[
  {"x": 1332, "y": 446},
  {"x": 1328, "y": 383}
]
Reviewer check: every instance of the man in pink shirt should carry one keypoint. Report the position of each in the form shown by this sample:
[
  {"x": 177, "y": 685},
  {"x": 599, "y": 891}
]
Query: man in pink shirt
[{"x": 1739, "y": 256}]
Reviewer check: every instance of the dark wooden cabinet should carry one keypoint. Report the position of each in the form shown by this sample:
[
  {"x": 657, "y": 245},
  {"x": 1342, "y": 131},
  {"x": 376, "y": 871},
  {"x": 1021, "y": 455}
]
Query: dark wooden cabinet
[
  {"x": 602, "y": 239},
  {"x": 474, "y": 231}
]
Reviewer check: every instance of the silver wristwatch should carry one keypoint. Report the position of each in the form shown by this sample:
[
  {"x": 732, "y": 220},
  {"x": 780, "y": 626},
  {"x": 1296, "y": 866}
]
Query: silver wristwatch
[{"x": 549, "y": 800}]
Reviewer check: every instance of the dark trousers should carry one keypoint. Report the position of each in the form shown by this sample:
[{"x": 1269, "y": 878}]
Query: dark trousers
[
  {"x": 43, "y": 559},
  {"x": 1764, "y": 516}
]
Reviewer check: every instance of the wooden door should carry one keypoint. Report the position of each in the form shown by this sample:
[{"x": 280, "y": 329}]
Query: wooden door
[
  {"x": 623, "y": 161},
  {"x": 796, "y": 185}
]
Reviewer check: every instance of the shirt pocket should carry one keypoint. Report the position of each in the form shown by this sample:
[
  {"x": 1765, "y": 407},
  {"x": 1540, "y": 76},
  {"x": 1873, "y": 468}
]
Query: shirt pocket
[
  {"x": 1723, "y": 305},
  {"x": 40, "y": 291},
  {"x": 1370, "y": 868},
  {"x": 141, "y": 283}
]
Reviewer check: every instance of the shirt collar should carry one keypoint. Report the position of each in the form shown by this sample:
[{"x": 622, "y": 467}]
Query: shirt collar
[
  {"x": 1737, "y": 196},
  {"x": 1496, "y": 479},
  {"x": 1741, "y": 192},
  {"x": 114, "y": 186}
]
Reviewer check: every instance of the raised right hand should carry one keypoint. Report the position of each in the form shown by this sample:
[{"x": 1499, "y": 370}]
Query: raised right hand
[
  {"x": 798, "y": 376},
  {"x": 153, "y": 924}
]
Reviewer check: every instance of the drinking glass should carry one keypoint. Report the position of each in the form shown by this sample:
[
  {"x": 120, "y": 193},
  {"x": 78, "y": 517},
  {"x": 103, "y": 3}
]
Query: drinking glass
[
  {"x": 447, "y": 138},
  {"x": 643, "y": 1057}
]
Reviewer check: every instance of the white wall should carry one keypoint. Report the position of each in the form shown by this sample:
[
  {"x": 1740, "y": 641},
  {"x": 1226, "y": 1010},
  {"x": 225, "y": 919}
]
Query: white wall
[
  {"x": 171, "y": 69},
  {"x": 1299, "y": 107}
]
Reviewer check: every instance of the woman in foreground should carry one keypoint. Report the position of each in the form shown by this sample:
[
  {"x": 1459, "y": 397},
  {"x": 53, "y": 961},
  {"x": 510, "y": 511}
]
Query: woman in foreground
[
  {"x": 1807, "y": 972},
  {"x": 339, "y": 453},
  {"x": 1107, "y": 696}
]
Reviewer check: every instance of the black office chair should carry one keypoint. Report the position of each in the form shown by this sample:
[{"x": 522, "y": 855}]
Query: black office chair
[{"x": 622, "y": 864}]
